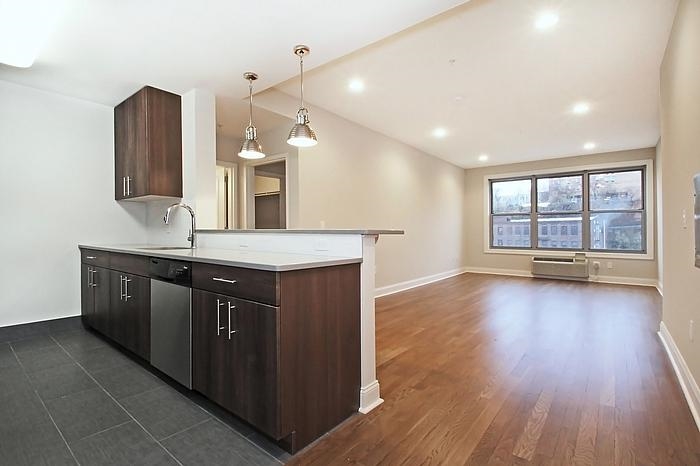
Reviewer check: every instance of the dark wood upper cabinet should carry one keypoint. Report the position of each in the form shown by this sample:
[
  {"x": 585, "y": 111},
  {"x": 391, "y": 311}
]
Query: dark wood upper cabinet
[{"x": 148, "y": 146}]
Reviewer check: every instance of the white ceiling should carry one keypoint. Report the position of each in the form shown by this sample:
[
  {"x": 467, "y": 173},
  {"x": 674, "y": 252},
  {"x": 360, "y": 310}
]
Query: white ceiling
[
  {"x": 105, "y": 50},
  {"x": 516, "y": 85}
]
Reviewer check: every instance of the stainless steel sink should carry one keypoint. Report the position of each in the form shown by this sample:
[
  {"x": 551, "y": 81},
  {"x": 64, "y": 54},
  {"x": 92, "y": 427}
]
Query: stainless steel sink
[{"x": 165, "y": 248}]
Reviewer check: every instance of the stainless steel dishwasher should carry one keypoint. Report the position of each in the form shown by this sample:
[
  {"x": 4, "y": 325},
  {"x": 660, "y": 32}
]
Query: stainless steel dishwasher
[{"x": 171, "y": 318}]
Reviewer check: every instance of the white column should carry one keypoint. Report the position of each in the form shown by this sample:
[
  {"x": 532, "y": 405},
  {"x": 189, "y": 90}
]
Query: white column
[{"x": 369, "y": 385}]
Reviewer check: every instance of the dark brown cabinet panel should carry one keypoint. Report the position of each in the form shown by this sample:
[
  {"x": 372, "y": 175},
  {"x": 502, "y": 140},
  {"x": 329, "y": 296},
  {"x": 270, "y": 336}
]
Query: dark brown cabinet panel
[
  {"x": 235, "y": 349},
  {"x": 237, "y": 282},
  {"x": 256, "y": 353},
  {"x": 148, "y": 145},
  {"x": 101, "y": 287},
  {"x": 116, "y": 303},
  {"x": 87, "y": 295},
  {"x": 211, "y": 352},
  {"x": 130, "y": 313}
]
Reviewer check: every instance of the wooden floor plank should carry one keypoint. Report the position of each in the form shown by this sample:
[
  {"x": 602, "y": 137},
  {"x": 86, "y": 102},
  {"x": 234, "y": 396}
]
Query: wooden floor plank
[{"x": 480, "y": 369}]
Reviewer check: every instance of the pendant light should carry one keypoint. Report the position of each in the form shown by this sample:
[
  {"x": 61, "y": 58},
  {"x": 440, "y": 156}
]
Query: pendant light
[
  {"x": 251, "y": 148},
  {"x": 301, "y": 134}
]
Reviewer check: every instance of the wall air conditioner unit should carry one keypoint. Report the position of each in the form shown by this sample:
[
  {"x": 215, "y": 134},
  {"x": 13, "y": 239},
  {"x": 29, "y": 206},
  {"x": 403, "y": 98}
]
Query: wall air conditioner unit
[{"x": 566, "y": 268}]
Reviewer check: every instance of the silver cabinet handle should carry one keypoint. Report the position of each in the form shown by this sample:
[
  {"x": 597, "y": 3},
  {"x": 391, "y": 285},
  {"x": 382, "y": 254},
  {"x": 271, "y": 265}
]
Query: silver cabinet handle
[
  {"x": 230, "y": 332},
  {"x": 126, "y": 288},
  {"x": 90, "y": 257},
  {"x": 219, "y": 328},
  {"x": 123, "y": 185},
  {"x": 94, "y": 283},
  {"x": 89, "y": 277},
  {"x": 121, "y": 287},
  {"x": 128, "y": 186},
  {"x": 225, "y": 280}
]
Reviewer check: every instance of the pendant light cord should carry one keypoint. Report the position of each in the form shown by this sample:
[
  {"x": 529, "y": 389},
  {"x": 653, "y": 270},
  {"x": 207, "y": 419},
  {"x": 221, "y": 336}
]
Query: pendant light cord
[
  {"x": 250, "y": 102},
  {"x": 301, "y": 66}
]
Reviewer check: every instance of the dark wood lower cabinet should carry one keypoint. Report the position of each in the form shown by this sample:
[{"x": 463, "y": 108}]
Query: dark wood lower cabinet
[
  {"x": 235, "y": 348},
  {"x": 117, "y": 305},
  {"x": 100, "y": 283},
  {"x": 130, "y": 312},
  {"x": 293, "y": 370},
  {"x": 289, "y": 366}
]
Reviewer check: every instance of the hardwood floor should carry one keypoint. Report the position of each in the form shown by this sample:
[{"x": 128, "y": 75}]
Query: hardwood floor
[{"x": 490, "y": 370}]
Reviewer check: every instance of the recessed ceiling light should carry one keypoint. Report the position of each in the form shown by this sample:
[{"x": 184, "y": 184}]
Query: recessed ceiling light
[
  {"x": 546, "y": 20},
  {"x": 589, "y": 145},
  {"x": 439, "y": 133},
  {"x": 356, "y": 85},
  {"x": 483, "y": 158},
  {"x": 581, "y": 108}
]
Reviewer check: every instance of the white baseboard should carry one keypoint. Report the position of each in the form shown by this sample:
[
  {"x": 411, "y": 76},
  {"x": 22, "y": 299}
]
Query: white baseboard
[
  {"x": 407, "y": 285},
  {"x": 495, "y": 271},
  {"x": 369, "y": 397},
  {"x": 594, "y": 279},
  {"x": 685, "y": 378}
]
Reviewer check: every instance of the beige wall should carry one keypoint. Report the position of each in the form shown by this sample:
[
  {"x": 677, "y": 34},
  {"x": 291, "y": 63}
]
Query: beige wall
[
  {"x": 680, "y": 158},
  {"x": 475, "y": 257},
  {"x": 357, "y": 178}
]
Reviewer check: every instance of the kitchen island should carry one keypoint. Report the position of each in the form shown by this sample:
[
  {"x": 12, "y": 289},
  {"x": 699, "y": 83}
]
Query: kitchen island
[
  {"x": 276, "y": 337},
  {"x": 276, "y": 342}
]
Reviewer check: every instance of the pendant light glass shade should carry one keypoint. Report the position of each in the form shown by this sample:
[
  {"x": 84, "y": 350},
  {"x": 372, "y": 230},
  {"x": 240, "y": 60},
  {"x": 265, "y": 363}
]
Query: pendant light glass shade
[
  {"x": 302, "y": 135},
  {"x": 251, "y": 148}
]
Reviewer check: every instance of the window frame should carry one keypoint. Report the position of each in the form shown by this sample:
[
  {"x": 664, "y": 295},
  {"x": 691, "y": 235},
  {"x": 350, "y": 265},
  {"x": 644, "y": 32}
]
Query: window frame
[{"x": 646, "y": 211}]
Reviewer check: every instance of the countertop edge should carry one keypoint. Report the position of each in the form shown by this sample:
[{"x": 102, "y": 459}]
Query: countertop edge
[
  {"x": 306, "y": 232},
  {"x": 322, "y": 262}
]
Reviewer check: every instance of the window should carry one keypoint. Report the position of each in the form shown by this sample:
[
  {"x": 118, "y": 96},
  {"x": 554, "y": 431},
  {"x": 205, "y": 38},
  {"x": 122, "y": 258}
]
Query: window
[
  {"x": 510, "y": 199},
  {"x": 596, "y": 210},
  {"x": 617, "y": 211}
]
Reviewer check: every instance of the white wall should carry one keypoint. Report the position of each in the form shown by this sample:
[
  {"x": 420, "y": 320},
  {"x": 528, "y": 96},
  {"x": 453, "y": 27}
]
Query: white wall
[
  {"x": 57, "y": 181},
  {"x": 358, "y": 178},
  {"x": 680, "y": 160}
]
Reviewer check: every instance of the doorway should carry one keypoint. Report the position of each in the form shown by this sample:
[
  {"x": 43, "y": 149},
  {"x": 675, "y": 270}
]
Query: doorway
[{"x": 266, "y": 194}]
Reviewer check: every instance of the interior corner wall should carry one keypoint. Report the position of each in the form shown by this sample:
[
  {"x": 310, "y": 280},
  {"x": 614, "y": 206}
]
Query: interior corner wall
[
  {"x": 358, "y": 178},
  {"x": 57, "y": 176},
  {"x": 680, "y": 158},
  {"x": 624, "y": 270}
]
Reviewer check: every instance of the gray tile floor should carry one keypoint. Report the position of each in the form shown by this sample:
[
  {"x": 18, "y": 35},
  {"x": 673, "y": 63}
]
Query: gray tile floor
[{"x": 69, "y": 397}]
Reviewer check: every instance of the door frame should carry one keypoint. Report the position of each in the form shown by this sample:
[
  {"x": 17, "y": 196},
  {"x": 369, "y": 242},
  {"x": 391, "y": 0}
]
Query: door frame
[{"x": 233, "y": 185}]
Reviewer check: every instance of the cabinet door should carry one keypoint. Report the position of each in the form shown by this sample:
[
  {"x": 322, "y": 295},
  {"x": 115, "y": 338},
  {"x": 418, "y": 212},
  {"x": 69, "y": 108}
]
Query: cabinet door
[
  {"x": 101, "y": 286},
  {"x": 136, "y": 315},
  {"x": 255, "y": 364},
  {"x": 87, "y": 295},
  {"x": 130, "y": 147},
  {"x": 211, "y": 358},
  {"x": 130, "y": 312}
]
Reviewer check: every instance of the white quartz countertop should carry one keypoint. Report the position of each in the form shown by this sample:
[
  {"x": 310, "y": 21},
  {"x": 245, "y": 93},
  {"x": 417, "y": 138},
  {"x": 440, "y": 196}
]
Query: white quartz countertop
[
  {"x": 369, "y": 232},
  {"x": 272, "y": 261}
]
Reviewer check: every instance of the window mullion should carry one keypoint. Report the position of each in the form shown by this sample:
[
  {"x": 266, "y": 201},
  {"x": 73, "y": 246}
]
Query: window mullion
[{"x": 586, "y": 215}]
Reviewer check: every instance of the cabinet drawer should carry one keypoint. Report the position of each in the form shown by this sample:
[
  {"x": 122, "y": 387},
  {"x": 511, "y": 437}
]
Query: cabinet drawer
[
  {"x": 254, "y": 285},
  {"x": 129, "y": 263},
  {"x": 94, "y": 257}
]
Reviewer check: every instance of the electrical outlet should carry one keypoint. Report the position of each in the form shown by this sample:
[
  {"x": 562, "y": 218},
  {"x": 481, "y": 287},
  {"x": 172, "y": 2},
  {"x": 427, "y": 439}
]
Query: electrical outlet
[
  {"x": 685, "y": 219},
  {"x": 609, "y": 265},
  {"x": 691, "y": 330},
  {"x": 596, "y": 266}
]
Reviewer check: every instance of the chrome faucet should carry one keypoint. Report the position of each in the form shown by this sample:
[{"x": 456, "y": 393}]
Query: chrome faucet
[{"x": 191, "y": 238}]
